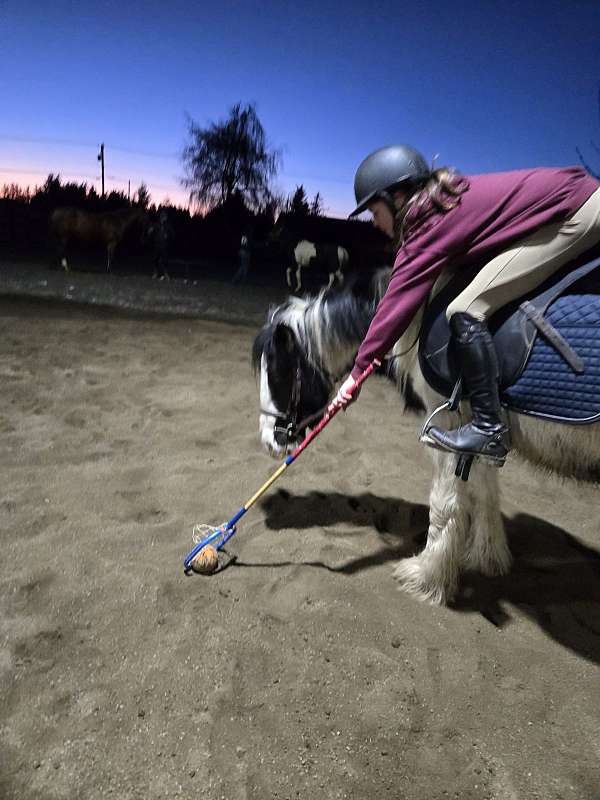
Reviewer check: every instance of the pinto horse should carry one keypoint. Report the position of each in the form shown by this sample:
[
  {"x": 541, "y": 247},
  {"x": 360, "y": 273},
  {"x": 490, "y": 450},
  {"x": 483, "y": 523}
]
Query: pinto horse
[
  {"x": 329, "y": 258},
  {"x": 107, "y": 228},
  {"x": 307, "y": 344}
]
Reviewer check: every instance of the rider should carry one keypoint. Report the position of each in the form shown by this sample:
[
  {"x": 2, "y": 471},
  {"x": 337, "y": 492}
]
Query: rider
[{"x": 521, "y": 226}]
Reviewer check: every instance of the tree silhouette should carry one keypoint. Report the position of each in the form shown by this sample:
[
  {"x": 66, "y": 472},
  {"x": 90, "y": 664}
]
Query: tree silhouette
[
  {"x": 54, "y": 193},
  {"x": 12, "y": 191},
  {"x": 228, "y": 157},
  {"x": 143, "y": 196},
  {"x": 298, "y": 203},
  {"x": 596, "y": 173},
  {"x": 316, "y": 207}
]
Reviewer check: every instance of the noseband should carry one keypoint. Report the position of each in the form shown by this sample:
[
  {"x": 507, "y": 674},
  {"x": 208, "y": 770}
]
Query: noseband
[{"x": 290, "y": 425}]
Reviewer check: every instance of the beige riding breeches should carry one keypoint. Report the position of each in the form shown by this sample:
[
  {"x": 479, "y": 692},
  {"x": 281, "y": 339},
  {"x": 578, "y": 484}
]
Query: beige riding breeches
[{"x": 517, "y": 271}]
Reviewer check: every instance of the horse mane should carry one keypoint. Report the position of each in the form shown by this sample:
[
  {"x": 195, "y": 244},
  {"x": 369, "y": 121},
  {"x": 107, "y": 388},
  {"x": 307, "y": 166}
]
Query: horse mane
[{"x": 329, "y": 327}]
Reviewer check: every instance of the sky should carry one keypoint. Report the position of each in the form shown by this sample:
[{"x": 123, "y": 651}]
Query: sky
[{"x": 483, "y": 85}]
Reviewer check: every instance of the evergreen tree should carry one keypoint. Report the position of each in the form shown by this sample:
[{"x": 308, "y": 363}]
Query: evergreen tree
[
  {"x": 298, "y": 203},
  {"x": 316, "y": 207}
]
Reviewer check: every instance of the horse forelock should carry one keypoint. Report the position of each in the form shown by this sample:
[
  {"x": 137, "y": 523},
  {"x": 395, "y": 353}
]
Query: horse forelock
[{"x": 280, "y": 360}]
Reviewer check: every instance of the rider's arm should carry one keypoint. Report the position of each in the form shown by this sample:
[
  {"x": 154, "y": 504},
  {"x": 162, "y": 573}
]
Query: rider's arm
[{"x": 414, "y": 274}]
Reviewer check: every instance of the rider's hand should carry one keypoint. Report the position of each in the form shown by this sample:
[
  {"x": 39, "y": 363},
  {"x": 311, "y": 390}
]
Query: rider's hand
[{"x": 347, "y": 394}]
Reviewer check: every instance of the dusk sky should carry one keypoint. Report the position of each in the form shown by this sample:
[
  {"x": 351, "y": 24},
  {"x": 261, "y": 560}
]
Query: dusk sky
[{"x": 486, "y": 85}]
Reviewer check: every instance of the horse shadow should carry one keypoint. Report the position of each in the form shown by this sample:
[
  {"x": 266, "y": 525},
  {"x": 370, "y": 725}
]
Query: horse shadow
[{"x": 554, "y": 580}]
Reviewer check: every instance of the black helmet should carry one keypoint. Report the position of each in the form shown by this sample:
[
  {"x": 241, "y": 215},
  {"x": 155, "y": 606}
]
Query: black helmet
[{"x": 385, "y": 168}]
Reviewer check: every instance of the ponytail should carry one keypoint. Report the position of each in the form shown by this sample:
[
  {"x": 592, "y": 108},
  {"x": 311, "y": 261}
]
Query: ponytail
[{"x": 439, "y": 192}]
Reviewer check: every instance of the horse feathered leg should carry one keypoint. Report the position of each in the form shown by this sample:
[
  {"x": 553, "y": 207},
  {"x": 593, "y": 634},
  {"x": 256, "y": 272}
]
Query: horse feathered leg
[
  {"x": 298, "y": 279},
  {"x": 487, "y": 550},
  {"x": 331, "y": 280},
  {"x": 62, "y": 254},
  {"x": 288, "y": 277},
  {"x": 433, "y": 574}
]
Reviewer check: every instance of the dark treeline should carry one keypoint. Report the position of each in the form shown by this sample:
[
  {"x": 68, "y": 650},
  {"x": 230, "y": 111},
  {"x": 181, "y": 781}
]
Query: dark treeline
[{"x": 214, "y": 236}]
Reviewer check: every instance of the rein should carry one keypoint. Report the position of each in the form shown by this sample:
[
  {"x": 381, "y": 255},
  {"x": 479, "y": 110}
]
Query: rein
[{"x": 291, "y": 414}]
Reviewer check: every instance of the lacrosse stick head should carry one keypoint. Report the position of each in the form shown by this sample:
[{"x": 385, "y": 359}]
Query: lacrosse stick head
[{"x": 204, "y": 558}]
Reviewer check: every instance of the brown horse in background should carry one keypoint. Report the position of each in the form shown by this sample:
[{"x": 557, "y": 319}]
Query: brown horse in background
[{"x": 107, "y": 228}]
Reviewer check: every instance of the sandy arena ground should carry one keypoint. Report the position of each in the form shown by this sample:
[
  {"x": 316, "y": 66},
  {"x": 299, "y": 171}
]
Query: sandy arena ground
[{"x": 300, "y": 671}]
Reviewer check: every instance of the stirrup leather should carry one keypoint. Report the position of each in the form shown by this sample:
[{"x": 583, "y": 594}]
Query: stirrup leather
[
  {"x": 452, "y": 404},
  {"x": 464, "y": 461}
]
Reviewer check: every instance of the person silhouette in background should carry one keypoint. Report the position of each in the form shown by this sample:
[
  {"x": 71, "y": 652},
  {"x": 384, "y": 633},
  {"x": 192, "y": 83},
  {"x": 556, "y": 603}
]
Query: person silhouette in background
[
  {"x": 244, "y": 259},
  {"x": 162, "y": 233}
]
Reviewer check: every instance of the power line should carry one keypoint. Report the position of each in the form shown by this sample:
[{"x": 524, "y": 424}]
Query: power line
[
  {"x": 113, "y": 178},
  {"x": 151, "y": 154},
  {"x": 44, "y": 140},
  {"x": 11, "y": 171},
  {"x": 73, "y": 143}
]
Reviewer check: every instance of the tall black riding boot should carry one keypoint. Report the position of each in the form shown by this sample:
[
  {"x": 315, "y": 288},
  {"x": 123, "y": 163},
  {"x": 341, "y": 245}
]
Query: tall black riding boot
[{"x": 486, "y": 435}]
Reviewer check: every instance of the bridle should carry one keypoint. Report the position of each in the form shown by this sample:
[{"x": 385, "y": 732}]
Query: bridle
[{"x": 290, "y": 425}]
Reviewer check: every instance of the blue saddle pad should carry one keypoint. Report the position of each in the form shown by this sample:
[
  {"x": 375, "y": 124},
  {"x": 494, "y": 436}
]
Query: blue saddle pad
[{"x": 548, "y": 387}]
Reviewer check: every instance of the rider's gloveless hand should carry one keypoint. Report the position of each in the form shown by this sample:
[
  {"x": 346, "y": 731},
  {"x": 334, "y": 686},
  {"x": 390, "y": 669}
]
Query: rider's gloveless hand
[{"x": 347, "y": 393}]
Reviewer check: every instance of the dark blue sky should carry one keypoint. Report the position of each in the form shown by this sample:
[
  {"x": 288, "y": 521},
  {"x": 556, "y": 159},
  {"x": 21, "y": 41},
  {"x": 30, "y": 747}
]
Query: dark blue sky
[{"x": 487, "y": 85}]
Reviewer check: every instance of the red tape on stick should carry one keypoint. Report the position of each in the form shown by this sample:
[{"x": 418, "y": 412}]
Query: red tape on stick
[{"x": 329, "y": 415}]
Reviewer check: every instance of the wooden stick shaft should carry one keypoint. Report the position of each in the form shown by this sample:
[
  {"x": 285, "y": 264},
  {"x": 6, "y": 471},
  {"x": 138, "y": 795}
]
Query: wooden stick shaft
[{"x": 266, "y": 485}]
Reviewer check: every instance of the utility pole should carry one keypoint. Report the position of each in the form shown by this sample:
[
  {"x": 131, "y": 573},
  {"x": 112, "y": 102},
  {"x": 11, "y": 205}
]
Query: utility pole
[
  {"x": 129, "y": 191},
  {"x": 101, "y": 159}
]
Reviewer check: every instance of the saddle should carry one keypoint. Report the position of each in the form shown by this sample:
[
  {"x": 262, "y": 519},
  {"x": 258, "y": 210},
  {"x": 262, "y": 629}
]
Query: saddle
[{"x": 548, "y": 344}]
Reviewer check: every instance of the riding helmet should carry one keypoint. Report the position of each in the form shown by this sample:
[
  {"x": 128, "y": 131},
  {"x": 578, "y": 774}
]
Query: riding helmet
[{"x": 385, "y": 168}]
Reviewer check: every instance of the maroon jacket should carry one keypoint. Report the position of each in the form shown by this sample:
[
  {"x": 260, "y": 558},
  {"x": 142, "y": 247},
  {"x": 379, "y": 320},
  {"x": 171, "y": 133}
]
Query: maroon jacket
[{"x": 495, "y": 211}]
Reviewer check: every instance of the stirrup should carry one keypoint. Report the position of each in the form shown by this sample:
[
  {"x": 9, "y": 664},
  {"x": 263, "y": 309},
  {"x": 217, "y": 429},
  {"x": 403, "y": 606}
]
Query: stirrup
[
  {"x": 463, "y": 462},
  {"x": 452, "y": 404}
]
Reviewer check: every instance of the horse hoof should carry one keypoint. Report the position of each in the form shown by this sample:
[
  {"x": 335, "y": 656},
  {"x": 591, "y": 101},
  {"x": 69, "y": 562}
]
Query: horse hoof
[{"x": 417, "y": 579}]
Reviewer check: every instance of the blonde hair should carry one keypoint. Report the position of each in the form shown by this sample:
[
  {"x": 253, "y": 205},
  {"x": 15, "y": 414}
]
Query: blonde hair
[{"x": 440, "y": 192}]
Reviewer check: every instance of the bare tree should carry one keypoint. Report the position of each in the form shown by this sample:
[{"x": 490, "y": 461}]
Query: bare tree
[
  {"x": 142, "y": 196},
  {"x": 227, "y": 157},
  {"x": 596, "y": 174}
]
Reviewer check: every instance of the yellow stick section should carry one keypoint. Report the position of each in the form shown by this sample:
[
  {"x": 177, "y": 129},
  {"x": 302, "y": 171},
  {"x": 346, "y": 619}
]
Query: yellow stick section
[{"x": 265, "y": 486}]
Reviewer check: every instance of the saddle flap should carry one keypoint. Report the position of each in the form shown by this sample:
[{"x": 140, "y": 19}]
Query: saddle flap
[{"x": 514, "y": 328}]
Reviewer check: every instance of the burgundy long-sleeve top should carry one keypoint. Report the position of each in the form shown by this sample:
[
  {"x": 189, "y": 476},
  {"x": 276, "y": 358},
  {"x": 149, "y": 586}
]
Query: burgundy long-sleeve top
[{"x": 496, "y": 210}]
